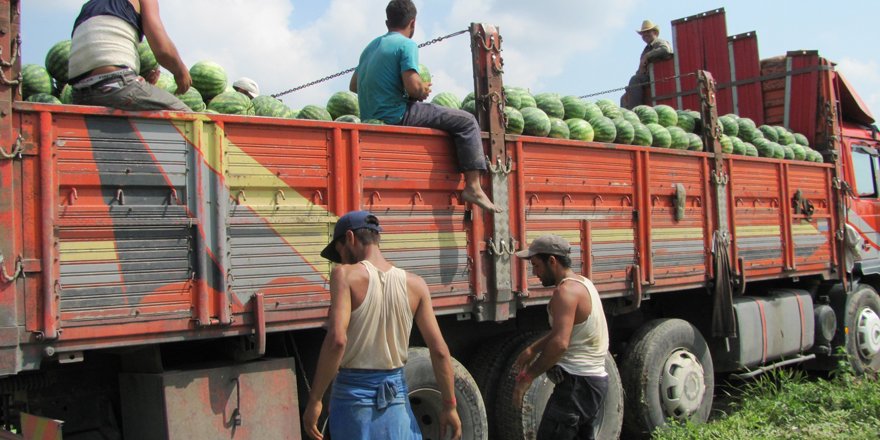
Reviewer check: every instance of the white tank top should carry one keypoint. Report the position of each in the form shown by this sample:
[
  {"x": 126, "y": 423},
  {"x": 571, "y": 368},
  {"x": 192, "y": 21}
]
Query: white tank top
[
  {"x": 103, "y": 40},
  {"x": 379, "y": 329},
  {"x": 589, "y": 339}
]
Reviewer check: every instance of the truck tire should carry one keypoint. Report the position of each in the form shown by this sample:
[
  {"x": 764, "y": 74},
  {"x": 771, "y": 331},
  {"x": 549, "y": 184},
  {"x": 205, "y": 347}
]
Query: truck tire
[
  {"x": 514, "y": 424},
  {"x": 862, "y": 319},
  {"x": 666, "y": 372},
  {"x": 426, "y": 400}
]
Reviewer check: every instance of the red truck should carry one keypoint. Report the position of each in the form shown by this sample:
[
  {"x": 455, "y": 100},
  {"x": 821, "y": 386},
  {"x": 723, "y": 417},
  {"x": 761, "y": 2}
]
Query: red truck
[{"x": 161, "y": 278}]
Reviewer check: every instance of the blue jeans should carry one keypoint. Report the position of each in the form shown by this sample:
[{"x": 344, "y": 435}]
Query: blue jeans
[
  {"x": 128, "y": 91},
  {"x": 573, "y": 409},
  {"x": 371, "y": 404},
  {"x": 461, "y": 125}
]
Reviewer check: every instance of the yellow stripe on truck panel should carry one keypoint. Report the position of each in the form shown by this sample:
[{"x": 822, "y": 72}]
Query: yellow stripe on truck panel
[
  {"x": 83, "y": 251},
  {"x": 757, "y": 231}
]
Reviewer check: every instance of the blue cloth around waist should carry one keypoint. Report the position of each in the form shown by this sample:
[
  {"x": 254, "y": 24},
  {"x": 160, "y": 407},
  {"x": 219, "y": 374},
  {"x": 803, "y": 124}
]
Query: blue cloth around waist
[
  {"x": 371, "y": 404},
  {"x": 370, "y": 387}
]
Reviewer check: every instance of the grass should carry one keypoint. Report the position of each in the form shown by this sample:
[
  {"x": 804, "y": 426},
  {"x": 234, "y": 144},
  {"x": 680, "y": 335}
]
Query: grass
[{"x": 787, "y": 404}]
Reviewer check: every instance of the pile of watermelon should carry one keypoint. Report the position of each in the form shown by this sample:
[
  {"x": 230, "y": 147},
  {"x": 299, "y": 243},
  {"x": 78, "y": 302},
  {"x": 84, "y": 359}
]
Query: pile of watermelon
[{"x": 741, "y": 134}]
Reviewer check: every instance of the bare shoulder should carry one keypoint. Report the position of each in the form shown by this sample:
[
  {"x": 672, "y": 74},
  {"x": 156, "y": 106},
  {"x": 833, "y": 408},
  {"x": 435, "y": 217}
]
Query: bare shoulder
[
  {"x": 350, "y": 273},
  {"x": 416, "y": 284}
]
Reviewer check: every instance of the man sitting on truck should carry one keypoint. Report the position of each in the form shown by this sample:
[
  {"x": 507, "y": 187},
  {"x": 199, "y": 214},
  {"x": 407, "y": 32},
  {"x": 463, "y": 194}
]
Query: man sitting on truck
[
  {"x": 656, "y": 49},
  {"x": 390, "y": 89},
  {"x": 104, "y": 61},
  {"x": 573, "y": 353},
  {"x": 372, "y": 308}
]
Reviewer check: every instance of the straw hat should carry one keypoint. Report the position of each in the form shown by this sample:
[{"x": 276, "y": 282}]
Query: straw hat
[{"x": 648, "y": 25}]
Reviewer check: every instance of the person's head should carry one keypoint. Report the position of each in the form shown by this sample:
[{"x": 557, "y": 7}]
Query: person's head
[
  {"x": 247, "y": 86},
  {"x": 353, "y": 234},
  {"x": 649, "y": 31},
  {"x": 550, "y": 256},
  {"x": 401, "y": 17}
]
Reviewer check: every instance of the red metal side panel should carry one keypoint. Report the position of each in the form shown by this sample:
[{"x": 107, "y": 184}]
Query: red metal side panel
[
  {"x": 757, "y": 217},
  {"x": 409, "y": 179},
  {"x": 812, "y": 235},
  {"x": 701, "y": 44},
  {"x": 803, "y": 99},
  {"x": 585, "y": 193},
  {"x": 748, "y": 100},
  {"x": 663, "y": 83}
]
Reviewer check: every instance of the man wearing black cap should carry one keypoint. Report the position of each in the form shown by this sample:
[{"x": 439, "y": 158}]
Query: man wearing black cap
[
  {"x": 573, "y": 353},
  {"x": 372, "y": 308}
]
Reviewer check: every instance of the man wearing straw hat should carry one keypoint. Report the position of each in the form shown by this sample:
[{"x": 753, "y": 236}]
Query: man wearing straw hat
[{"x": 656, "y": 49}]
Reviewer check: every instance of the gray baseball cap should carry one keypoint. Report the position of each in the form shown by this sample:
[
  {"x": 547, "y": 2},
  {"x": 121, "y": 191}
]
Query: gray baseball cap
[{"x": 547, "y": 244}]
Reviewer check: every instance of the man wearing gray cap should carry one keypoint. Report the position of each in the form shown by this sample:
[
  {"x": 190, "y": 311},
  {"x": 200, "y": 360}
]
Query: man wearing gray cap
[
  {"x": 372, "y": 308},
  {"x": 573, "y": 353}
]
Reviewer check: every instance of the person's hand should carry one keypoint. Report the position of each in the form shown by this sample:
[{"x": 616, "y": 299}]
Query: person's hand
[
  {"x": 450, "y": 422},
  {"x": 184, "y": 81},
  {"x": 152, "y": 76},
  {"x": 523, "y": 360},
  {"x": 519, "y": 390},
  {"x": 310, "y": 419},
  {"x": 426, "y": 91}
]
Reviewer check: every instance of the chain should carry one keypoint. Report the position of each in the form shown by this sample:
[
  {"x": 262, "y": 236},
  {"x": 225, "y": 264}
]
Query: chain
[
  {"x": 620, "y": 89},
  {"x": 352, "y": 69}
]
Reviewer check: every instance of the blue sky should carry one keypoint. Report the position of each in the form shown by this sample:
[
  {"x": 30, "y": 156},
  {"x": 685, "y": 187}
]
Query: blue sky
[{"x": 566, "y": 46}]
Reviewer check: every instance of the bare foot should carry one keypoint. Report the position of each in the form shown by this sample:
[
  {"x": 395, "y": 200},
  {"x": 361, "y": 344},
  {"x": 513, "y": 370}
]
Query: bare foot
[{"x": 479, "y": 198}]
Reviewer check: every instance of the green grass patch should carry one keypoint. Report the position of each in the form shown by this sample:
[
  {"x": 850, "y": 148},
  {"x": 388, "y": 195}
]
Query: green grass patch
[{"x": 787, "y": 404}]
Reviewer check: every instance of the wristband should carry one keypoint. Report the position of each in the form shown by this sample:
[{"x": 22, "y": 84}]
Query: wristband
[{"x": 449, "y": 403}]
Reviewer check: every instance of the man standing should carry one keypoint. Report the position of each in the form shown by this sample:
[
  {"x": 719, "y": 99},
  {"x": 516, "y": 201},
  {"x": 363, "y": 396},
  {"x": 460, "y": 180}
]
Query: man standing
[
  {"x": 390, "y": 89},
  {"x": 656, "y": 49},
  {"x": 573, "y": 353},
  {"x": 104, "y": 61},
  {"x": 372, "y": 307}
]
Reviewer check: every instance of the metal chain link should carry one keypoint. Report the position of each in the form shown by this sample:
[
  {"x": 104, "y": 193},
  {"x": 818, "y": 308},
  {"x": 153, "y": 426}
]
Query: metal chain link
[
  {"x": 352, "y": 69},
  {"x": 620, "y": 89}
]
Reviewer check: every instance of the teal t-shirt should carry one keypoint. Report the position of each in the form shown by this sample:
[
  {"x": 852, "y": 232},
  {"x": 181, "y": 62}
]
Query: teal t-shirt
[{"x": 380, "y": 88}]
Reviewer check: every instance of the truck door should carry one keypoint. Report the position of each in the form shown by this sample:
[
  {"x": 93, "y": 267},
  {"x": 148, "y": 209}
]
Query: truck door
[{"x": 864, "y": 212}]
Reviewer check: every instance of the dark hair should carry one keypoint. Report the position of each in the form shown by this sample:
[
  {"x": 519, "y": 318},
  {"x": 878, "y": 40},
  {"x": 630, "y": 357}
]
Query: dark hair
[
  {"x": 564, "y": 260},
  {"x": 399, "y": 13},
  {"x": 366, "y": 235}
]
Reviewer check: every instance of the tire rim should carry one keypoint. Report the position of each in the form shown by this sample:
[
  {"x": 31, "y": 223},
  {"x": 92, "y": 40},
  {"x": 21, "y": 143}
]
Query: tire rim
[
  {"x": 426, "y": 405},
  {"x": 868, "y": 333},
  {"x": 682, "y": 384}
]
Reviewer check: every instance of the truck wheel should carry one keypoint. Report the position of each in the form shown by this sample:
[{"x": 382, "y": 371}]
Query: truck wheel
[
  {"x": 667, "y": 372},
  {"x": 862, "y": 320},
  {"x": 427, "y": 402},
  {"x": 523, "y": 424}
]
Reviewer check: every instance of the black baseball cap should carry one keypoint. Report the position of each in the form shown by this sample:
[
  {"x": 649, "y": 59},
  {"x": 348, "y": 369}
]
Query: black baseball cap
[{"x": 352, "y": 221}]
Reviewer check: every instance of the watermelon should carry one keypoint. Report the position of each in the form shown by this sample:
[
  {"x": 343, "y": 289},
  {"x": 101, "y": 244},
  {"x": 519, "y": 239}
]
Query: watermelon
[
  {"x": 535, "y": 122},
  {"x": 35, "y": 79},
  {"x": 686, "y": 121},
  {"x": 512, "y": 97},
  {"x": 470, "y": 107},
  {"x": 787, "y": 152},
  {"x": 265, "y": 105},
  {"x": 625, "y": 131},
  {"x": 551, "y": 104},
  {"x": 66, "y": 95},
  {"x": 604, "y": 129},
  {"x": 292, "y": 114},
  {"x": 471, "y": 96},
  {"x": 209, "y": 77},
  {"x": 729, "y": 125},
  {"x": 515, "y": 122},
  {"x": 527, "y": 100},
  {"x": 698, "y": 120},
  {"x": 231, "y": 103},
  {"x": 43, "y": 98},
  {"x": 798, "y": 150},
  {"x": 642, "y": 135},
  {"x": 630, "y": 116},
  {"x": 148, "y": 59},
  {"x": 580, "y": 130},
  {"x": 764, "y": 147},
  {"x": 346, "y": 103},
  {"x": 733, "y": 116},
  {"x": 769, "y": 133},
  {"x": 739, "y": 147},
  {"x": 348, "y": 118},
  {"x": 679, "y": 138},
  {"x": 666, "y": 115},
  {"x": 371, "y": 121},
  {"x": 443, "y": 99},
  {"x": 646, "y": 114},
  {"x": 574, "y": 107},
  {"x": 315, "y": 112},
  {"x": 591, "y": 111},
  {"x": 751, "y": 150},
  {"x": 558, "y": 129},
  {"x": 166, "y": 82},
  {"x": 816, "y": 156},
  {"x": 778, "y": 151},
  {"x": 660, "y": 135},
  {"x": 801, "y": 140},
  {"x": 193, "y": 99},
  {"x": 726, "y": 144},
  {"x": 695, "y": 143},
  {"x": 609, "y": 109},
  {"x": 56, "y": 61},
  {"x": 750, "y": 134},
  {"x": 424, "y": 73},
  {"x": 785, "y": 138},
  {"x": 745, "y": 123}
]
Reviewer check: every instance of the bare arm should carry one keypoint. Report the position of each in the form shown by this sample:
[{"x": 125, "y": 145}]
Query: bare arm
[
  {"x": 162, "y": 46},
  {"x": 332, "y": 349},
  {"x": 441, "y": 360},
  {"x": 353, "y": 84},
  {"x": 414, "y": 86}
]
